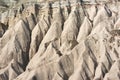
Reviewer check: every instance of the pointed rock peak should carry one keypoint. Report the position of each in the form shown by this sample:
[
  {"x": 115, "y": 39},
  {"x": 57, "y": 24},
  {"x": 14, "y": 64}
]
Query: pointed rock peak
[
  {"x": 73, "y": 15},
  {"x": 115, "y": 69},
  {"x": 36, "y": 39},
  {"x": 102, "y": 15},
  {"x": 31, "y": 21},
  {"x": 20, "y": 22},
  {"x": 19, "y": 25},
  {"x": 85, "y": 29},
  {"x": 54, "y": 31}
]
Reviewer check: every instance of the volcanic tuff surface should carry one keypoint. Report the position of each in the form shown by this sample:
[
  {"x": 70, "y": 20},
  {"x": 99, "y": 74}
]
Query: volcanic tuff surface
[{"x": 60, "y": 40}]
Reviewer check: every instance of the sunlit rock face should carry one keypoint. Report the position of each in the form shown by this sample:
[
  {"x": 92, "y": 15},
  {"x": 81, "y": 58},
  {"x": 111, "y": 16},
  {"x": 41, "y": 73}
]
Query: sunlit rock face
[{"x": 60, "y": 40}]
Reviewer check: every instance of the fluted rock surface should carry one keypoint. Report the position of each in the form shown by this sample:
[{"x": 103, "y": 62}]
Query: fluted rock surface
[{"x": 55, "y": 41}]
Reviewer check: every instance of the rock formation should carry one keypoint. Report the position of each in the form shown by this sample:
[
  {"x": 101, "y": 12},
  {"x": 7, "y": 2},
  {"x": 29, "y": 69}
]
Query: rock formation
[{"x": 60, "y": 40}]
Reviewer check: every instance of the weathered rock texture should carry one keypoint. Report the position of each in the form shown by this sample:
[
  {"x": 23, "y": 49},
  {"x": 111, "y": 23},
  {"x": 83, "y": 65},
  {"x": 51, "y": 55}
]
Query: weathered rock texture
[{"x": 57, "y": 41}]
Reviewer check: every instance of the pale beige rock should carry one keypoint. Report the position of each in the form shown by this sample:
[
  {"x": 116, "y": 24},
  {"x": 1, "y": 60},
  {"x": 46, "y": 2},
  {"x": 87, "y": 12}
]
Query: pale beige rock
[
  {"x": 71, "y": 27},
  {"x": 70, "y": 31},
  {"x": 114, "y": 70},
  {"x": 61, "y": 40},
  {"x": 117, "y": 24},
  {"x": 11, "y": 71},
  {"x": 36, "y": 38},
  {"x": 6, "y": 37},
  {"x": 53, "y": 34},
  {"x": 31, "y": 21},
  {"x": 102, "y": 15},
  {"x": 92, "y": 12},
  {"x": 84, "y": 30},
  {"x": 17, "y": 47}
]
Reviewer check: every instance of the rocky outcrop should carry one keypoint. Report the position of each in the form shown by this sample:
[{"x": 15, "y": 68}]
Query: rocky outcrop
[{"x": 55, "y": 41}]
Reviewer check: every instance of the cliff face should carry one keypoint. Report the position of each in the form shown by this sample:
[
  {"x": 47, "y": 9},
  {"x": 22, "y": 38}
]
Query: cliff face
[{"x": 61, "y": 40}]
